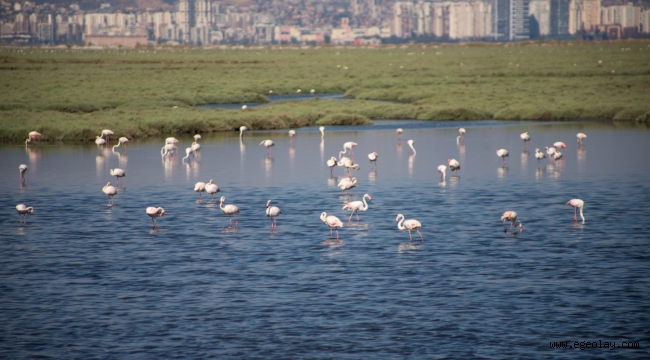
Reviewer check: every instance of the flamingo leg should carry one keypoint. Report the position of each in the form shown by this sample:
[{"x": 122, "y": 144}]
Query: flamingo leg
[
  {"x": 337, "y": 234},
  {"x": 230, "y": 218},
  {"x": 330, "y": 233},
  {"x": 420, "y": 234},
  {"x": 410, "y": 237},
  {"x": 236, "y": 221},
  {"x": 357, "y": 215},
  {"x": 350, "y": 218},
  {"x": 575, "y": 214}
]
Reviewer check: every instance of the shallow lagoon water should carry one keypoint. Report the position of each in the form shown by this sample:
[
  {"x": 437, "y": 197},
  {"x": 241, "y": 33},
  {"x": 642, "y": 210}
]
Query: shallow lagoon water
[{"x": 84, "y": 279}]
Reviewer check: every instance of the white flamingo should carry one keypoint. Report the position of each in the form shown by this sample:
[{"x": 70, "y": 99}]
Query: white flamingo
[
  {"x": 357, "y": 206},
  {"x": 118, "y": 173},
  {"x": 410, "y": 143},
  {"x": 298, "y": 91},
  {"x": 526, "y": 138},
  {"x": 241, "y": 130},
  {"x": 31, "y": 136},
  {"x": 461, "y": 131},
  {"x": 512, "y": 217},
  {"x": 580, "y": 137},
  {"x": 408, "y": 225},
  {"x": 22, "y": 168},
  {"x": 550, "y": 151},
  {"x": 322, "y": 131},
  {"x": 188, "y": 152},
  {"x": 23, "y": 210},
  {"x": 244, "y": 107},
  {"x": 168, "y": 149},
  {"x": 110, "y": 190},
  {"x": 107, "y": 133},
  {"x": 347, "y": 183},
  {"x": 197, "y": 137},
  {"x": 121, "y": 141},
  {"x": 199, "y": 187},
  {"x": 350, "y": 165},
  {"x": 171, "y": 140},
  {"x": 268, "y": 144},
  {"x": 348, "y": 146},
  {"x": 292, "y": 133},
  {"x": 557, "y": 155},
  {"x": 539, "y": 156},
  {"x": 196, "y": 146},
  {"x": 333, "y": 222},
  {"x": 272, "y": 212},
  {"x": 443, "y": 172},
  {"x": 454, "y": 165},
  {"x": 503, "y": 153},
  {"x": 155, "y": 212},
  {"x": 230, "y": 210},
  {"x": 332, "y": 163},
  {"x": 312, "y": 91},
  {"x": 99, "y": 140},
  {"x": 559, "y": 144},
  {"x": 577, "y": 203},
  {"x": 270, "y": 92},
  {"x": 211, "y": 188},
  {"x": 399, "y": 133},
  {"x": 373, "y": 160}
]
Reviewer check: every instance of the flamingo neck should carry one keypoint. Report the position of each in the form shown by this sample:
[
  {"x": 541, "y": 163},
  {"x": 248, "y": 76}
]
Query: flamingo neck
[
  {"x": 581, "y": 215},
  {"x": 365, "y": 204},
  {"x": 400, "y": 223}
]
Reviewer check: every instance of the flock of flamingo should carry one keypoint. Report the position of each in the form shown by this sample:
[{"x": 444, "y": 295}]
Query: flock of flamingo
[{"x": 345, "y": 160}]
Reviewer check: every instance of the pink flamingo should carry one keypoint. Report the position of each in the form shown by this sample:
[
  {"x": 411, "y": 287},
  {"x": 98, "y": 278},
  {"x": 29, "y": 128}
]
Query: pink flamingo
[
  {"x": 454, "y": 166},
  {"x": 580, "y": 137},
  {"x": 272, "y": 212},
  {"x": 155, "y": 212},
  {"x": 399, "y": 133},
  {"x": 121, "y": 141},
  {"x": 332, "y": 163},
  {"x": 107, "y": 133},
  {"x": 199, "y": 187},
  {"x": 268, "y": 144},
  {"x": 210, "y": 188},
  {"x": 230, "y": 210},
  {"x": 333, "y": 222},
  {"x": 503, "y": 153},
  {"x": 560, "y": 144},
  {"x": 577, "y": 203},
  {"x": 118, "y": 173},
  {"x": 22, "y": 168},
  {"x": 408, "y": 225},
  {"x": 443, "y": 172},
  {"x": 23, "y": 210},
  {"x": 512, "y": 217},
  {"x": 357, "y": 206},
  {"x": 346, "y": 184},
  {"x": 348, "y": 146},
  {"x": 110, "y": 190},
  {"x": 539, "y": 156},
  {"x": 31, "y": 136},
  {"x": 373, "y": 160}
]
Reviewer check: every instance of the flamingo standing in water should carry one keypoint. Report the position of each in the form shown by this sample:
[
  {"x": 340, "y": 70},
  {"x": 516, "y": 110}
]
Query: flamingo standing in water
[
  {"x": 461, "y": 131},
  {"x": 241, "y": 131},
  {"x": 268, "y": 144},
  {"x": 348, "y": 146},
  {"x": 199, "y": 187},
  {"x": 503, "y": 153},
  {"x": 373, "y": 160},
  {"x": 298, "y": 91},
  {"x": 399, "y": 132},
  {"x": 109, "y": 190},
  {"x": 107, "y": 133},
  {"x": 23, "y": 210},
  {"x": 526, "y": 138},
  {"x": 244, "y": 107},
  {"x": 272, "y": 212},
  {"x": 292, "y": 133},
  {"x": 557, "y": 155},
  {"x": 118, "y": 173},
  {"x": 347, "y": 183},
  {"x": 121, "y": 141},
  {"x": 22, "y": 168},
  {"x": 322, "y": 131},
  {"x": 454, "y": 165},
  {"x": 333, "y": 222},
  {"x": 559, "y": 144},
  {"x": 550, "y": 151},
  {"x": 539, "y": 156},
  {"x": 349, "y": 165},
  {"x": 580, "y": 137},
  {"x": 410, "y": 143},
  {"x": 99, "y": 140},
  {"x": 168, "y": 149},
  {"x": 196, "y": 146},
  {"x": 332, "y": 163},
  {"x": 230, "y": 210},
  {"x": 577, "y": 203},
  {"x": 312, "y": 91},
  {"x": 188, "y": 152},
  {"x": 512, "y": 217},
  {"x": 357, "y": 206},
  {"x": 31, "y": 136},
  {"x": 408, "y": 225},
  {"x": 443, "y": 172},
  {"x": 155, "y": 212},
  {"x": 210, "y": 188}
]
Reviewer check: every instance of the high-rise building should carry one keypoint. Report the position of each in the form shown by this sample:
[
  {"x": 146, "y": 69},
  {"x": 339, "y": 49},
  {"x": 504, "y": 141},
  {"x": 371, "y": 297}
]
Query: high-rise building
[
  {"x": 559, "y": 18},
  {"x": 519, "y": 21},
  {"x": 539, "y": 12}
]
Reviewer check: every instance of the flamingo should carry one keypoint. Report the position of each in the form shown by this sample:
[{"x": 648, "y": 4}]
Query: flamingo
[
  {"x": 196, "y": 146},
  {"x": 333, "y": 222},
  {"x": 526, "y": 138},
  {"x": 241, "y": 130},
  {"x": 118, "y": 173},
  {"x": 197, "y": 137},
  {"x": 577, "y": 203},
  {"x": 199, "y": 187},
  {"x": 512, "y": 217},
  {"x": 268, "y": 144},
  {"x": 461, "y": 131},
  {"x": 559, "y": 144},
  {"x": 270, "y": 92},
  {"x": 539, "y": 156},
  {"x": 443, "y": 172},
  {"x": 230, "y": 210},
  {"x": 109, "y": 190},
  {"x": 298, "y": 91},
  {"x": 410, "y": 143},
  {"x": 373, "y": 160},
  {"x": 171, "y": 140},
  {"x": 408, "y": 225},
  {"x": 332, "y": 163},
  {"x": 210, "y": 188},
  {"x": 557, "y": 155},
  {"x": 155, "y": 212},
  {"x": 107, "y": 133},
  {"x": 454, "y": 165},
  {"x": 550, "y": 151},
  {"x": 357, "y": 206},
  {"x": 322, "y": 131},
  {"x": 503, "y": 153},
  {"x": 580, "y": 137},
  {"x": 168, "y": 149},
  {"x": 349, "y": 165},
  {"x": 23, "y": 210},
  {"x": 22, "y": 168},
  {"x": 99, "y": 140},
  {"x": 292, "y": 133},
  {"x": 31, "y": 136},
  {"x": 188, "y": 152},
  {"x": 399, "y": 133},
  {"x": 120, "y": 142},
  {"x": 272, "y": 212},
  {"x": 347, "y": 183},
  {"x": 348, "y": 146},
  {"x": 312, "y": 91},
  {"x": 244, "y": 107}
]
